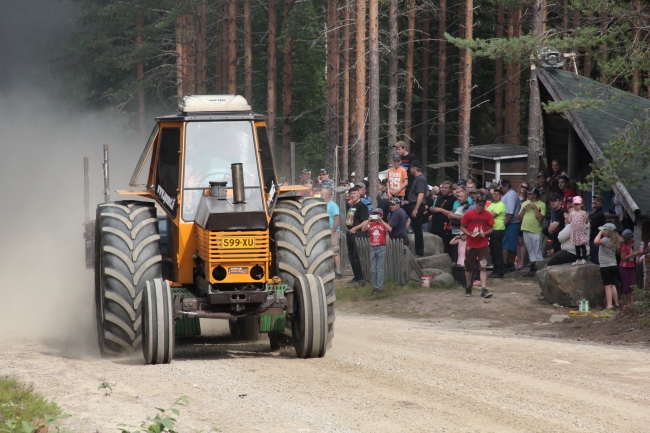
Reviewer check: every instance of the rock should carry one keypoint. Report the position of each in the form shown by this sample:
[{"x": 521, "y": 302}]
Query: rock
[
  {"x": 555, "y": 318},
  {"x": 443, "y": 281},
  {"x": 439, "y": 261},
  {"x": 432, "y": 244},
  {"x": 566, "y": 285}
]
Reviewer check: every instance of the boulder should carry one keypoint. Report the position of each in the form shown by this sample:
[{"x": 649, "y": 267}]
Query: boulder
[
  {"x": 432, "y": 244},
  {"x": 566, "y": 285},
  {"x": 443, "y": 281},
  {"x": 439, "y": 261}
]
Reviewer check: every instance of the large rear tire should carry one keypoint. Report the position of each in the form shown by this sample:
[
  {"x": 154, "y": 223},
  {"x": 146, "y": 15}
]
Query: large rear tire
[
  {"x": 127, "y": 254},
  {"x": 309, "y": 322},
  {"x": 158, "y": 322},
  {"x": 246, "y": 328},
  {"x": 304, "y": 246}
]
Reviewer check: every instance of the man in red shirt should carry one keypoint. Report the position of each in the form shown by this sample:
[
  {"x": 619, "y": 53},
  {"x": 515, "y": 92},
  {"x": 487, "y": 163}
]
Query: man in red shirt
[{"x": 477, "y": 225}]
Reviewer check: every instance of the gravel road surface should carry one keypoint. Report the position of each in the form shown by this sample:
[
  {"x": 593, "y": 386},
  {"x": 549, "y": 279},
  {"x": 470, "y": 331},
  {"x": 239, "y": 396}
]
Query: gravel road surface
[{"x": 382, "y": 375}]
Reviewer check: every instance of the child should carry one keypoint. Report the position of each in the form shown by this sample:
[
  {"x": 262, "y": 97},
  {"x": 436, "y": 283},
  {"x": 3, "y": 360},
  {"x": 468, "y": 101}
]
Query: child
[
  {"x": 579, "y": 220},
  {"x": 377, "y": 228},
  {"x": 627, "y": 267},
  {"x": 461, "y": 241}
]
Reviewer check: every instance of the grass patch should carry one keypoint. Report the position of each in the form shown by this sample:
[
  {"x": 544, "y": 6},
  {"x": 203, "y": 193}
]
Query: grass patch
[
  {"x": 22, "y": 409},
  {"x": 351, "y": 293}
]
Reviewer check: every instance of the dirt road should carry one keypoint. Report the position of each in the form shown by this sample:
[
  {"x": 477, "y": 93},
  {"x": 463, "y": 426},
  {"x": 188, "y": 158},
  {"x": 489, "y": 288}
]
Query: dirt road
[{"x": 382, "y": 375}]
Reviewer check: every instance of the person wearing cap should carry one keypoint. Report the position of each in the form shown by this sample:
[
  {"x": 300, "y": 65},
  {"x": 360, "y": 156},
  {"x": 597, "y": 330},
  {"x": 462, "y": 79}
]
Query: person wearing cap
[
  {"x": 473, "y": 195},
  {"x": 377, "y": 228},
  {"x": 353, "y": 177},
  {"x": 439, "y": 223},
  {"x": 397, "y": 178},
  {"x": 512, "y": 223},
  {"x": 477, "y": 224},
  {"x": 398, "y": 221},
  {"x": 579, "y": 220},
  {"x": 305, "y": 175},
  {"x": 335, "y": 226},
  {"x": 462, "y": 183},
  {"x": 531, "y": 215},
  {"x": 596, "y": 219},
  {"x": 627, "y": 267},
  {"x": 403, "y": 148},
  {"x": 557, "y": 222},
  {"x": 609, "y": 242},
  {"x": 416, "y": 205},
  {"x": 354, "y": 219},
  {"x": 324, "y": 180}
]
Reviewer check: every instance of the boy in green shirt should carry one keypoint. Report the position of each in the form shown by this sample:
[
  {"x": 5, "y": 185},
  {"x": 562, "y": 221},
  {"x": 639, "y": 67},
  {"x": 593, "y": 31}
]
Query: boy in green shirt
[
  {"x": 498, "y": 211},
  {"x": 531, "y": 216}
]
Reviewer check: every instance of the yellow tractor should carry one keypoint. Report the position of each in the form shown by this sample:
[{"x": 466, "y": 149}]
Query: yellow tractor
[{"x": 217, "y": 239}]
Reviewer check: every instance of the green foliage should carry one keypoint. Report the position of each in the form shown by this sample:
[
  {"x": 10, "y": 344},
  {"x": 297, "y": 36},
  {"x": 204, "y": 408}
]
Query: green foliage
[
  {"x": 24, "y": 411},
  {"x": 164, "y": 421}
]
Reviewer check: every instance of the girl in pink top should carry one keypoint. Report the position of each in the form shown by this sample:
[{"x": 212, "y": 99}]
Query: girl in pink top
[
  {"x": 461, "y": 241},
  {"x": 579, "y": 220}
]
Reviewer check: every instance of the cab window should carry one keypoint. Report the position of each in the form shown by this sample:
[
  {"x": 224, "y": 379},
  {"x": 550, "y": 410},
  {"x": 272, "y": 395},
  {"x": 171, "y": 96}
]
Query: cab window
[{"x": 167, "y": 169}]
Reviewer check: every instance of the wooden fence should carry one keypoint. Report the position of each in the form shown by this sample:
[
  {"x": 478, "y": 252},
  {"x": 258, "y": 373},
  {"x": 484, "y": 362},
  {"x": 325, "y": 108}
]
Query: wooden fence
[{"x": 399, "y": 261}]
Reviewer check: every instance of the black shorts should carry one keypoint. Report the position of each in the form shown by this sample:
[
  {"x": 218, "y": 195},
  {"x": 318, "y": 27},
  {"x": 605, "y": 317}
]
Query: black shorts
[{"x": 608, "y": 274}]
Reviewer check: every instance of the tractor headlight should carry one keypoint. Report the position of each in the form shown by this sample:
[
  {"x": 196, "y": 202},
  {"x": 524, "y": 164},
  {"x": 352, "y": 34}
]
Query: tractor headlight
[
  {"x": 219, "y": 273},
  {"x": 257, "y": 272}
]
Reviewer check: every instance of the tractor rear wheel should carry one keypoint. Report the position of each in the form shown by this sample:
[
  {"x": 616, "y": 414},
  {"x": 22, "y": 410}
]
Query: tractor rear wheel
[
  {"x": 309, "y": 322},
  {"x": 304, "y": 246},
  {"x": 157, "y": 322},
  {"x": 127, "y": 254},
  {"x": 245, "y": 328}
]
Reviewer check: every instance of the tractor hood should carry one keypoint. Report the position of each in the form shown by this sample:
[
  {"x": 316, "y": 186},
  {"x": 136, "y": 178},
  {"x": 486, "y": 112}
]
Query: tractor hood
[{"x": 214, "y": 214}]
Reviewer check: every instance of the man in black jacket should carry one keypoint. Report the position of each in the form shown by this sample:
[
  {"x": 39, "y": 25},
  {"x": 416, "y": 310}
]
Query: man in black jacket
[
  {"x": 354, "y": 219},
  {"x": 416, "y": 205},
  {"x": 439, "y": 221}
]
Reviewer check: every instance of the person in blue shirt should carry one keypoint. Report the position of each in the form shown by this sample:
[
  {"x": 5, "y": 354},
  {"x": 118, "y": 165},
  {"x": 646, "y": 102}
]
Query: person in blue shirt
[{"x": 335, "y": 224}]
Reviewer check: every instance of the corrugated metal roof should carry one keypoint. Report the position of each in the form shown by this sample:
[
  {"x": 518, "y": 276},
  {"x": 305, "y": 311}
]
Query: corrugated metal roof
[
  {"x": 596, "y": 126},
  {"x": 496, "y": 151}
]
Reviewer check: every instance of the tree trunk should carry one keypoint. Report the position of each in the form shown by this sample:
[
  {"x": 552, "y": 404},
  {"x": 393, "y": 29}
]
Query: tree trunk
[
  {"x": 287, "y": 79},
  {"x": 498, "y": 81},
  {"x": 603, "y": 44},
  {"x": 465, "y": 90},
  {"x": 636, "y": 37},
  {"x": 565, "y": 23},
  {"x": 575, "y": 23},
  {"x": 353, "y": 85},
  {"x": 410, "y": 49},
  {"x": 393, "y": 77},
  {"x": 332, "y": 87},
  {"x": 534, "y": 102},
  {"x": 142, "y": 121},
  {"x": 185, "y": 56},
  {"x": 424, "y": 126},
  {"x": 360, "y": 141},
  {"x": 345, "y": 170},
  {"x": 271, "y": 73},
  {"x": 373, "y": 115},
  {"x": 232, "y": 47},
  {"x": 201, "y": 47},
  {"x": 588, "y": 52},
  {"x": 442, "y": 87},
  {"x": 248, "y": 52},
  {"x": 222, "y": 61},
  {"x": 513, "y": 90}
]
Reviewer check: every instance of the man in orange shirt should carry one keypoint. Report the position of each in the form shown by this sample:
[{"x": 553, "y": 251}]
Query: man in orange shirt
[{"x": 397, "y": 179}]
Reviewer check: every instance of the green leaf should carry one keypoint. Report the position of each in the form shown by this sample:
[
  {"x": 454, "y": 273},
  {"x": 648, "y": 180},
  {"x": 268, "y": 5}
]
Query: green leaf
[
  {"x": 175, "y": 411},
  {"x": 27, "y": 427},
  {"x": 167, "y": 423}
]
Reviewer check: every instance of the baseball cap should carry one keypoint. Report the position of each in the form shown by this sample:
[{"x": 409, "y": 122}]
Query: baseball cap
[
  {"x": 474, "y": 191},
  {"x": 304, "y": 170},
  {"x": 378, "y": 211},
  {"x": 481, "y": 200},
  {"x": 429, "y": 187},
  {"x": 397, "y": 156},
  {"x": 598, "y": 197},
  {"x": 385, "y": 180},
  {"x": 533, "y": 190},
  {"x": 394, "y": 200},
  {"x": 609, "y": 226},
  {"x": 354, "y": 188},
  {"x": 353, "y": 174},
  {"x": 577, "y": 200},
  {"x": 554, "y": 197},
  {"x": 323, "y": 171},
  {"x": 344, "y": 182},
  {"x": 461, "y": 182},
  {"x": 627, "y": 233},
  {"x": 541, "y": 174},
  {"x": 416, "y": 163}
]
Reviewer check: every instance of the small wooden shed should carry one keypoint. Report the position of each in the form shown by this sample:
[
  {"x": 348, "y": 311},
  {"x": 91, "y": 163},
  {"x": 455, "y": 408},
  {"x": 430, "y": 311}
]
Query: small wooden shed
[{"x": 491, "y": 162}]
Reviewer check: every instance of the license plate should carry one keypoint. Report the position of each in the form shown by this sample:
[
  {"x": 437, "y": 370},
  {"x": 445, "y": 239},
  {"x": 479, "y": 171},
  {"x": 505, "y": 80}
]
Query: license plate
[{"x": 238, "y": 242}]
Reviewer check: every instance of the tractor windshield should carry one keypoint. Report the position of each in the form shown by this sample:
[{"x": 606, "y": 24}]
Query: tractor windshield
[{"x": 210, "y": 149}]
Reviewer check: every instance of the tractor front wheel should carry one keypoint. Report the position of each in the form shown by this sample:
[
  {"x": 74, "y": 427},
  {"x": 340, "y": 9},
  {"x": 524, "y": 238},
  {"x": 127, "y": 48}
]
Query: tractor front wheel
[
  {"x": 158, "y": 322},
  {"x": 309, "y": 322}
]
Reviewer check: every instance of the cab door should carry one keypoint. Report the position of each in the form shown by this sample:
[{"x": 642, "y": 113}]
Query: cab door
[{"x": 168, "y": 168}]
